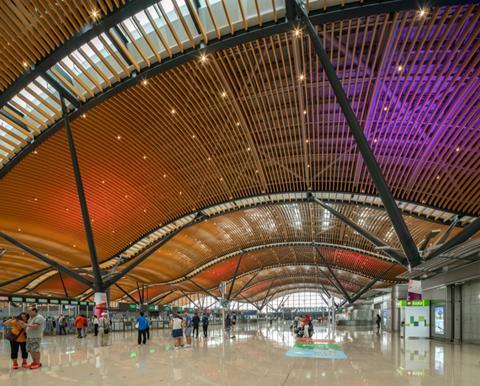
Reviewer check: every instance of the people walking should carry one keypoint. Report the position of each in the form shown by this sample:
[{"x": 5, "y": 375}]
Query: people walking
[
  {"x": 188, "y": 325},
  {"x": 104, "y": 328},
  {"x": 205, "y": 324},
  {"x": 196, "y": 323},
  {"x": 34, "y": 329},
  {"x": 18, "y": 339},
  {"x": 228, "y": 325},
  {"x": 378, "y": 321},
  {"x": 95, "y": 325},
  {"x": 142, "y": 326},
  {"x": 234, "y": 324},
  {"x": 62, "y": 324},
  {"x": 177, "y": 332},
  {"x": 84, "y": 326}
]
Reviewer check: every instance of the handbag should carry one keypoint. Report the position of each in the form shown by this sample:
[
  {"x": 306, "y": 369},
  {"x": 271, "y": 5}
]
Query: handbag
[{"x": 11, "y": 336}]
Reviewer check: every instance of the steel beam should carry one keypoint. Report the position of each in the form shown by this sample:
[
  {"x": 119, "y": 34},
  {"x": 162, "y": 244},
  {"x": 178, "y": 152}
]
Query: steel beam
[
  {"x": 246, "y": 284},
  {"x": 189, "y": 298},
  {"x": 447, "y": 232},
  {"x": 401, "y": 259},
  {"x": 63, "y": 284},
  {"x": 357, "y": 295},
  {"x": 155, "y": 246},
  {"x": 126, "y": 293},
  {"x": 459, "y": 238},
  {"x": 99, "y": 287},
  {"x": 62, "y": 91},
  {"x": 340, "y": 285},
  {"x": 234, "y": 276},
  {"x": 159, "y": 298},
  {"x": 12, "y": 281},
  {"x": 46, "y": 259},
  {"x": 203, "y": 289},
  {"x": 371, "y": 163}
]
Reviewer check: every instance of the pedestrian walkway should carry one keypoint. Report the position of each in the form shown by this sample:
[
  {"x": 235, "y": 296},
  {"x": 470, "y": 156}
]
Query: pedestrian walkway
[{"x": 256, "y": 357}]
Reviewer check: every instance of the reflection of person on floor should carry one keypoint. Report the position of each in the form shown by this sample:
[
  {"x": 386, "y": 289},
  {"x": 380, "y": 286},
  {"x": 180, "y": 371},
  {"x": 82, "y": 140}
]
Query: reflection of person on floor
[
  {"x": 234, "y": 324},
  {"x": 378, "y": 321}
]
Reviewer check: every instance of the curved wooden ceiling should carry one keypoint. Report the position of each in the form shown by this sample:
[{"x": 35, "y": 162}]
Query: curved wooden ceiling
[
  {"x": 31, "y": 30},
  {"x": 260, "y": 118}
]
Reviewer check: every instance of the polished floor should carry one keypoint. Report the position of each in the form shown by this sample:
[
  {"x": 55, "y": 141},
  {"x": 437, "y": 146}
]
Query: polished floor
[{"x": 256, "y": 357}]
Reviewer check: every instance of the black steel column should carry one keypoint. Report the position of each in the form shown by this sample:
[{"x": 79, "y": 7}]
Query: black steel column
[
  {"x": 99, "y": 286},
  {"x": 389, "y": 203}
]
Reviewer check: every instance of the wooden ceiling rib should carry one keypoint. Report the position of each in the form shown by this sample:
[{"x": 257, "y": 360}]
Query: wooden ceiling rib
[
  {"x": 30, "y": 30},
  {"x": 252, "y": 120}
]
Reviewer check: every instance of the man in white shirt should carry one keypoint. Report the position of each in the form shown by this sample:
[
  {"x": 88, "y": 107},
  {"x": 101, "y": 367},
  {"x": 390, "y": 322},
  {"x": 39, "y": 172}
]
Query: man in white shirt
[{"x": 34, "y": 329}]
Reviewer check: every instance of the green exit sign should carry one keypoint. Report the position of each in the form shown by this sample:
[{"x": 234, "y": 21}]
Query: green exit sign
[
  {"x": 414, "y": 303},
  {"x": 133, "y": 307}
]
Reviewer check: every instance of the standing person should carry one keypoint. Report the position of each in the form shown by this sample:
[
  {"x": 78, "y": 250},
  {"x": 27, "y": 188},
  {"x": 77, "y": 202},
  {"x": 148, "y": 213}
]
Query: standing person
[
  {"x": 62, "y": 324},
  {"x": 78, "y": 323},
  {"x": 177, "y": 332},
  {"x": 205, "y": 324},
  {"x": 188, "y": 324},
  {"x": 234, "y": 324},
  {"x": 95, "y": 325},
  {"x": 196, "y": 323},
  {"x": 84, "y": 326},
  {"x": 18, "y": 339},
  {"x": 34, "y": 329},
  {"x": 228, "y": 324},
  {"x": 142, "y": 325},
  {"x": 104, "y": 328},
  {"x": 148, "y": 327},
  {"x": 378, "y": 321}
]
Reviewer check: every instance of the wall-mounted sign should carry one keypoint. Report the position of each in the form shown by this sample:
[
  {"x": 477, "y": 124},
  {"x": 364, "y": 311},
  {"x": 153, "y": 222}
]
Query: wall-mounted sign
[
  {"x": 151, "y": 308},
  {"x": 414, "y": 303},
  {"x": 74, "y": 302},
  {"x": 43, "y": 301},
  {"x": 30, "y": 300},
  {"x": 54, "y": 301},
  {"x": 83, "y": 303},
  {"x": 64, "y": 302},
  {"x": 17, "y": 299},
  {"x": 91, "y": 303},
  {"x": 133, "y": 307}
]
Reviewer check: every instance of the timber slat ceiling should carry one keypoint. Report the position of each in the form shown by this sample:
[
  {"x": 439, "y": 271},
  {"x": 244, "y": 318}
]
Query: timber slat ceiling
[
  {"x": 253, "y": 120},
  {"x": 31, "y": 30}
]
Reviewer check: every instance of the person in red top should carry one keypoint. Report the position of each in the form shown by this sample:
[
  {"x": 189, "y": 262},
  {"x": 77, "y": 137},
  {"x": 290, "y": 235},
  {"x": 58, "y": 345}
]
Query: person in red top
[
  {"x": 18, "y": 339},
  {"x": 78, "y": 323},
  {"x": 85, "y": 326}
]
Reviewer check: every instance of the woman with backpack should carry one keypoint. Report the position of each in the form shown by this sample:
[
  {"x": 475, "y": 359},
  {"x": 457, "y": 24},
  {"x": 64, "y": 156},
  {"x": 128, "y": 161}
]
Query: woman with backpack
[{"x": 18, "y": 339}]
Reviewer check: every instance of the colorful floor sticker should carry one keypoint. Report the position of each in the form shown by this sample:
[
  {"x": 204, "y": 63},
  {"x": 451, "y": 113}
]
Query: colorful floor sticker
[{"x": 316, "y": 348}]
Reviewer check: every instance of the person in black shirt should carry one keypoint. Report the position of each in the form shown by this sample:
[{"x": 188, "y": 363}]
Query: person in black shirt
[
  {"x": 205, "y": 324},
  {"x": 196, "y": 323}
]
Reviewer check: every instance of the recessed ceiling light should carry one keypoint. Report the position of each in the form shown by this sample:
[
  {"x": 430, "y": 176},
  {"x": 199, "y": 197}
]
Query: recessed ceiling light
[
  {"x": 224, "y": 94},
  {"x": 144, "y": 157},
  {"x": 74, "y": 245},
  {"x": 457, "y": 149},
  {"x": 248, "y": 149},
  {"x": 385, "y": 108},
  {"x": 84, "y": 115},
  {"x": 302, "y": 77},
  {"x": 25, "y": 64},
  {"x": 103, "y": 181},
  {"x": 35, "y": 152},
  {"x": 19, "y": 229},
  {"x": 304, "y": 112},
  {"x": 297, "y": 32},
  {"x": 119, "y": 137},
  {"x": 144, "y": 82},
  {"x": 375, "y": 140},
  {"x": 209, "y": 159},
  {"x": 95, "y": 14},
  {"x": 400, "y": 68},
  {"x": 306, "y": 141},
  {"x": 164, "y": 176},
  {"x": 422, "y": 12},
  {"x": 203, "y": 58},
  {"x": 173, "y": 111},
  {"x": 194, "y": 136}
]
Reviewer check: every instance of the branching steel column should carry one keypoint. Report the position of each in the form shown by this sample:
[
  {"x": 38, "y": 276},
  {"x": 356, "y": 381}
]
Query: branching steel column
[
  {"x": 340, "y": 286},
  {"x": 161, "y": 297},
  {"x": 234, "y": 277},
  {"x": 248, "y": 301},
  {"x": 204, "y": 289},
  {"x": 459, "y": 238},
  {"x": 246, "y": 284},
  {"x": 389, "y": 203},
  {"x": 189, "y": 298},
  {"x": 362, "y": 232},
  {"x": 8, "y": 282},
  {"x": 367, "y": 287},
  {"x": 46, "y": 259},
  {"x": 63, "y": 284},
  {"x": 99, "y": 286},
  {"x": 126, "y": 294}
]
